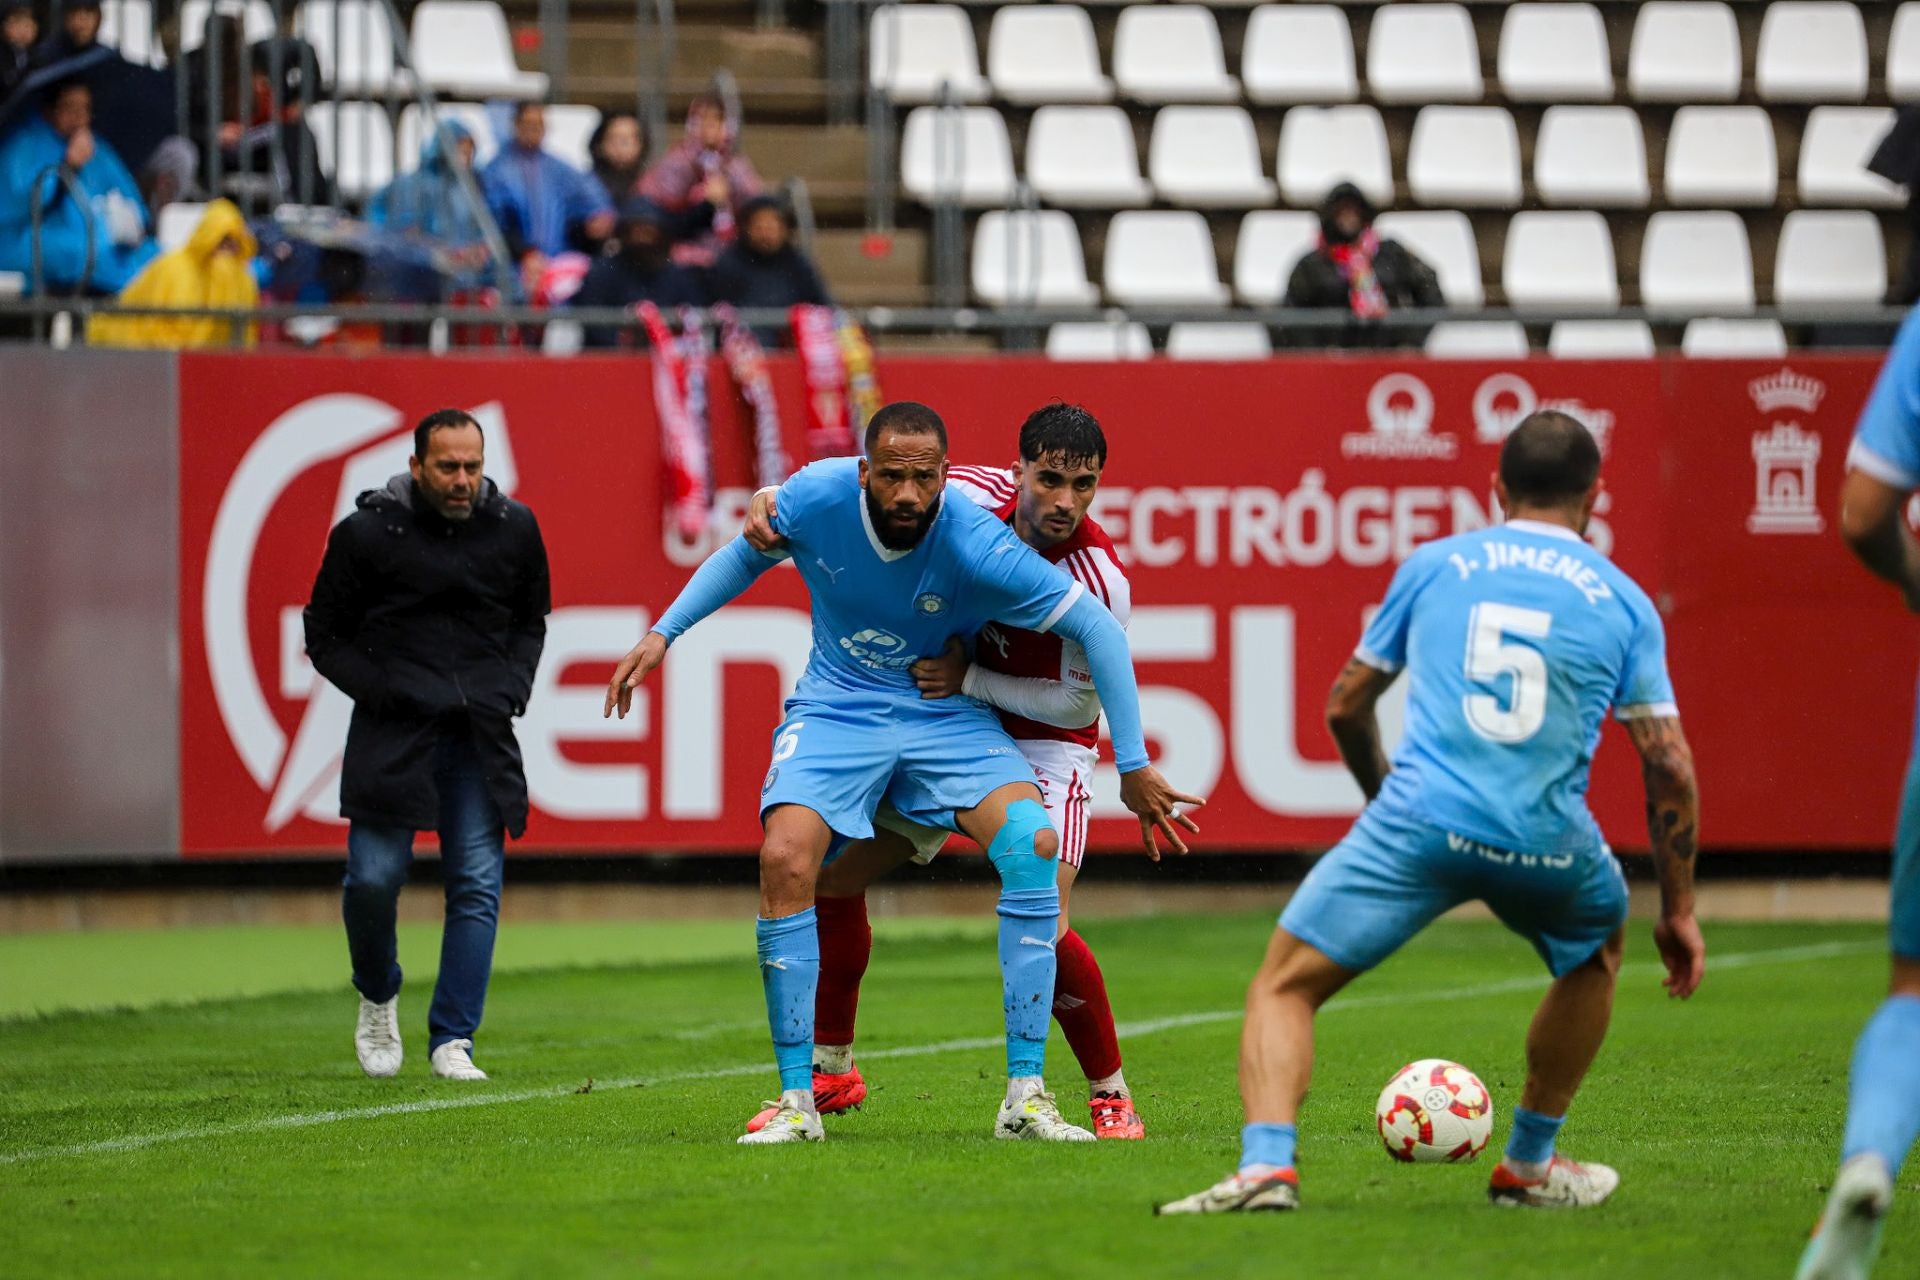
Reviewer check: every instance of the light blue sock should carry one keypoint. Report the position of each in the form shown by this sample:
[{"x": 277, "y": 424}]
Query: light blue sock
[
  {"x": 790, "y": 973},
  {"x": 1531, "y": 1141},
  {"x": 1268, "y": 1144},
  {"x": 1883, "y": 1098},
  {"x": 1029, "y": 919}
]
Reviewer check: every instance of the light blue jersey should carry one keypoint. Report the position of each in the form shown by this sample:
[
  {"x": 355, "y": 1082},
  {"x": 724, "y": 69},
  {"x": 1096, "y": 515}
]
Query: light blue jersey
[{"x": 1516, "y": 640}]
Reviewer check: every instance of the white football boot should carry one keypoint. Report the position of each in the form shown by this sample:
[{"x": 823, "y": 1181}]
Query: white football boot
[
  {"x": 793, "y": 1120},
  {"x": 376, "y": 1038},
  {"x": 1036, "y": 1117},
  {"x": 1844, "y": 1244},
  {"x": 1261, "y": 1188},
  {"x": 1565, "y": 1185},
  {"x": 453, "y": 1061}
]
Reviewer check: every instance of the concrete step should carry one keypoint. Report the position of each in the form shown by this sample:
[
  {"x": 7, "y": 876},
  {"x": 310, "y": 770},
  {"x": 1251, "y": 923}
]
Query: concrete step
[
  {"x": 863, "y": 271},
  {"x": 601, "y": 49}
]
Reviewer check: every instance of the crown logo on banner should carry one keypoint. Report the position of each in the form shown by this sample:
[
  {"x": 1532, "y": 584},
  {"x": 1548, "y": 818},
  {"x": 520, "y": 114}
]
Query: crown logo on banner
[{"x": 1787, "y": 390}]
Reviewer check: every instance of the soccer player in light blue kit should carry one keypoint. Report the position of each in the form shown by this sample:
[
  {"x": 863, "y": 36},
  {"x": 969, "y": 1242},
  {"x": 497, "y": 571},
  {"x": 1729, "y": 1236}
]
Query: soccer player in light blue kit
[
  {"x": 894, "y": 573},
  {"x": 1516, "y": 640},
  {"x": 1883, "y": 1102}
]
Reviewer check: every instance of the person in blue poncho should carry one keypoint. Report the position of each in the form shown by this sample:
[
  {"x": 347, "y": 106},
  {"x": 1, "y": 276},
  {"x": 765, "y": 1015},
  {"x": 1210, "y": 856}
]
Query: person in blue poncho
[
  {"x": 430, "y": 204},
  {"x": 544, "y": 205},
  {"x": 62, "y": 137}
]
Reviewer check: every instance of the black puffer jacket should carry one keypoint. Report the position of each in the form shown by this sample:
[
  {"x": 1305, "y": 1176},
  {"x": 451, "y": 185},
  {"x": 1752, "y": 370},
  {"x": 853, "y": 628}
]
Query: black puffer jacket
[
  {"x": 429, "y": 625},
  {"x": 1405, "y": 280}
]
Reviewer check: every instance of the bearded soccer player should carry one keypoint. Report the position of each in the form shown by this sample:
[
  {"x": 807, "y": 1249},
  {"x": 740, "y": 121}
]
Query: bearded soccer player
[
  {"x": 894, "y": 573},
  {"x": 1044, "y": 691},
  {"x": 1516, "y": 640}
]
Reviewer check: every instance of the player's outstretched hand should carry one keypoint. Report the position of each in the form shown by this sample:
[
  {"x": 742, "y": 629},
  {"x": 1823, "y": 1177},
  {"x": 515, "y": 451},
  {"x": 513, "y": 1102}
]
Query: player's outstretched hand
[
  {"x": 944, "y": 675},
  {"x": 1683, "y": 951},
  {"x": 761, "y": 514},
  {"x": 1152, "y": 799},
  {"x": 635, "y": 667}
]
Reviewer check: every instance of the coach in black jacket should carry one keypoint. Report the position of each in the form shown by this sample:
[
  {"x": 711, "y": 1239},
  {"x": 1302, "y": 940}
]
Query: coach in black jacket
[{"x": 429, "y": 611}]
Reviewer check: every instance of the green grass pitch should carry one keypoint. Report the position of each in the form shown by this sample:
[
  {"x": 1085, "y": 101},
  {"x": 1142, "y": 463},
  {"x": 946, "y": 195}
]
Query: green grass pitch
[{"x": 219, "y": 1125}]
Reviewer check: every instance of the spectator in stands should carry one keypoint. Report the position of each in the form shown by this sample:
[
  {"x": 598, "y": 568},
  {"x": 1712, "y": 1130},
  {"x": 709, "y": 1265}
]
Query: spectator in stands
[
  {"x": 1897, "y": 159},
  {"x": 133, "y": 107},
  {"x": 703, "y": 184},
  {"x": 18, "y": 32},
  {"x": 618, "y": 147},
  {"x": 34, "y": 158},
  {"x": 1354, "y": 269},
  {"x": 764, "y": 268},
  {"x": 641, "y": 270},
  {"x": 169, "y": 175},
  {"x": 430, "y": 202},
  {"x": 214, "y": 268},
  {"x": 543, "y": 204},
  {"x": 235, "y": 100}
]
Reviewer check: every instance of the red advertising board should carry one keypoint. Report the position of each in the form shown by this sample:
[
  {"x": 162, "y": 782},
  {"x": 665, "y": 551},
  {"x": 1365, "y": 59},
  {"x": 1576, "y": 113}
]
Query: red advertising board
[{"x": 1261, "y": 509}]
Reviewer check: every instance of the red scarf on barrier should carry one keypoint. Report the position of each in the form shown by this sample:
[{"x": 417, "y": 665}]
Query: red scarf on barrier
[
  {"x": 747, "y": 362},
  {"x": 830, "y": 432},
  {"x": 1355, "y": 261},
  {"x": 680, "y": 398}
]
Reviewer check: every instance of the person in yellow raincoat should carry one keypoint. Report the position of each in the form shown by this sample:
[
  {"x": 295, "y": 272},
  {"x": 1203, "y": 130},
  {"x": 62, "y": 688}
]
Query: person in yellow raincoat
[{"x": 214, "y": 268}]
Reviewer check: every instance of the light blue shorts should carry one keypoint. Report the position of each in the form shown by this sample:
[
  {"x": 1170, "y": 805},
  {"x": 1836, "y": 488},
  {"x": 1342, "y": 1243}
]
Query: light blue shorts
[
  {"x": 1903, "y": 920},
  {"x": 839, "y": 759},
  {"x": 1392, "y": 876}
]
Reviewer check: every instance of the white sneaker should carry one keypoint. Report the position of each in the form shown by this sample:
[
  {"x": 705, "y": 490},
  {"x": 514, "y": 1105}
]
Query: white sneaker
[
  {"x": 452, "y": 1061},
  {"x": 1242, "y": 1193},
  {"x": 1037, "y": 1117},
  {"x": 793, "y": 1120},
  {"x": 1566, "y": 1185},
  {"x": 1848, "y": 1237},
  {"x": 376, "y": 1038}
]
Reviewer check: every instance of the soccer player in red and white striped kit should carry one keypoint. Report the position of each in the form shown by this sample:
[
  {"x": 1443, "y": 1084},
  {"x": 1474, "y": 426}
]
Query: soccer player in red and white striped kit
[{"x": 1044, "y": 691}]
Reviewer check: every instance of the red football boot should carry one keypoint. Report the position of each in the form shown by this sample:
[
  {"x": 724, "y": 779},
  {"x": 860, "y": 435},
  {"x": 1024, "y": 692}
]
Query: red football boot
[
  {"x": 832, "y": 1095},
  {"x": 1114, "y": 1117}
]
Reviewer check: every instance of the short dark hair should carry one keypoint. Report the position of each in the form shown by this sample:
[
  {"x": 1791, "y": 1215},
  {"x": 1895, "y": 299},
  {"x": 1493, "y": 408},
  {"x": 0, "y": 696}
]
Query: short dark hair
[
  {"x": 1064, "y": 429},
  {"x": 906, "y": 418},
  {"x": 442, "y": 419},
  {"x": 51, "y": 95},
  {"x": 1550, "y": 457},
  {"x": 525, "y": 105}
]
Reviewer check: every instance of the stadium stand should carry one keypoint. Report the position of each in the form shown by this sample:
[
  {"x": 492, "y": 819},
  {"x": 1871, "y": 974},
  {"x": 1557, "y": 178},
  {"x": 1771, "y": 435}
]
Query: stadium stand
[
  {"x": 1228, "y": 340},
  {"x": 1085, "y": 157}
]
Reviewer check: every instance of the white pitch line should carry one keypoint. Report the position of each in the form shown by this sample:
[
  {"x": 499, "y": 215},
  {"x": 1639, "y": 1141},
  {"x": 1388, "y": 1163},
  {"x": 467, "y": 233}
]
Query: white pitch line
[{"x": 1131, "y": 1030}]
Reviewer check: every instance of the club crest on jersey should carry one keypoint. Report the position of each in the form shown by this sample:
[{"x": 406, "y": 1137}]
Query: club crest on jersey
[
  {"x": 773, "y": 776},
  {"x": 930, "y": 604}
]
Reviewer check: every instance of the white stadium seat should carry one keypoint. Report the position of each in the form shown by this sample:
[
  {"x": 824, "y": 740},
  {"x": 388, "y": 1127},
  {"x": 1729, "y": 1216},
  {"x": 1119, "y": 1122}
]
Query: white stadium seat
[
  {"x": 1830, "y": 256},
  {"x": 256, "y": 21},
  {"x": 1099, "y": 340},
  {"x": 1903, "y": 53},
  {"x": 958, "y": 153},
  {"x": 1722, "y": 156},
  {"x": 1162, "y": 259},
  {"x": 1271, "y": 242},
  {"x": 463, "y": 47},
  {"x": 1237, "y": 340},
  {"x": 1554, "y": 53},
  {"x": 1591, "y": 156},
  {"x": 1321, "y": 147},
  {"x": 1559, "y": 259},
  {"x": 1600, "y": 340},
  {"x": 1833, "y": 157},
  {"x": 1085, "y": 157},
  {"x": 175, "y": 224},
  {"x": 1684, "y": 51},
  {"x": 1733, "y": 339},
  {"x": 355, "y": 145},
  {"x": 1477, "y": 340},
  {"x": 1696, "y": 261},
  {"x": 1465, "y": 156},
  {"x": 1423, "y": 53},
  {"x": 1299, "y": 53},
  {"x": 1444, "y": 240},
  {"x": 1030, "y": 258},
  {"x": 1811, "y": 51},
  {"x": 365, "y": 61},
  {"x": 126, "y": 26},
  {"x": 569, "y": 129},
  {"x": 414, "y": 129},
  {"x": 914, "y": 50},
  {"x": 1207, "y": 157},
  {"x": 1171, "y": 53},
  {"x": 1045, "y": 53}
]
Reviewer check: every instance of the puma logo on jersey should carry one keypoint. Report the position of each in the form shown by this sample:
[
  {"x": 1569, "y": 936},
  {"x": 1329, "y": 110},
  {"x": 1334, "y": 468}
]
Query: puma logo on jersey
[
  {"x": 833, "y": 575},
  {"x": 992, "y": 635}
]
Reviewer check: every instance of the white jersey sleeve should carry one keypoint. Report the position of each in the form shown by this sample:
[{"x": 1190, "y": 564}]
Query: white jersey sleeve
[{"x": 989, "y": 487}]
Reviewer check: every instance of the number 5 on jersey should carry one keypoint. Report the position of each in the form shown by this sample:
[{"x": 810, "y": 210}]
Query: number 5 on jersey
[{"x": 1491, "y": 654}]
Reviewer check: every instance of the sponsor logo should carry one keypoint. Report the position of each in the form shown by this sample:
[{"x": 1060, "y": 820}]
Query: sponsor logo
[
  {"x": 880, "y": 650},
  {"x": 1400, "y": 418},
  {"x": 930, "y": 604},
  {"x": 1504, "y": 400},
  {"x": 1787, "y": 390},
  {"x": 1786, "y": 464}
]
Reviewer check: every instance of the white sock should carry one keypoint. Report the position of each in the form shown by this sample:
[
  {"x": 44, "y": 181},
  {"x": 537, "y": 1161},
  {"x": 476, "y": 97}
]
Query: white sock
[
  {"x": 1115, "y": 1083},
  {"x": 833, "y": 1059},
  {"x": 1528, "y": 1170},
  {"x": 1020, "y": 1088},
  {"x": 799, "y": 1100}
]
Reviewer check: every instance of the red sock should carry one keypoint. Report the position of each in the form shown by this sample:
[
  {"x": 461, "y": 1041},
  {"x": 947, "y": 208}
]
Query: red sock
[
  {"x": 1080, "y": 1007},
  {"x": 846, "y": 943}
]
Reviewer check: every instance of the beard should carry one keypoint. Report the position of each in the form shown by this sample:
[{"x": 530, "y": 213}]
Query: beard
[{"x": 891, "y": 536}]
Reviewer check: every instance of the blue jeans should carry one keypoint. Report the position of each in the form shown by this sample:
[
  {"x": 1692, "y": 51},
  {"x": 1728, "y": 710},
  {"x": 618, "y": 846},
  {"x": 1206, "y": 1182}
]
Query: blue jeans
[{"x": 472, "y": 859}]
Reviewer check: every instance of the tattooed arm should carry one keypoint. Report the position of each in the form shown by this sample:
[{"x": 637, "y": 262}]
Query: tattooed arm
[
  {"x": 1355, "y": 728},
  {"x": 1673, "y": 826}
]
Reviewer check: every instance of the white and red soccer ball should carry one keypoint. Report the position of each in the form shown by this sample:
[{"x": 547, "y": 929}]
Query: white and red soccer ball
[{"x": 1434, "y": 1112}]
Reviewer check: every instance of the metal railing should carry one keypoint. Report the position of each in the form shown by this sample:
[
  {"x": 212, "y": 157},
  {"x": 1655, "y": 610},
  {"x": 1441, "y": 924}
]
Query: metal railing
[
  {"x": 654, "y": 28},
  {"x": 70, "y": 187}
]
